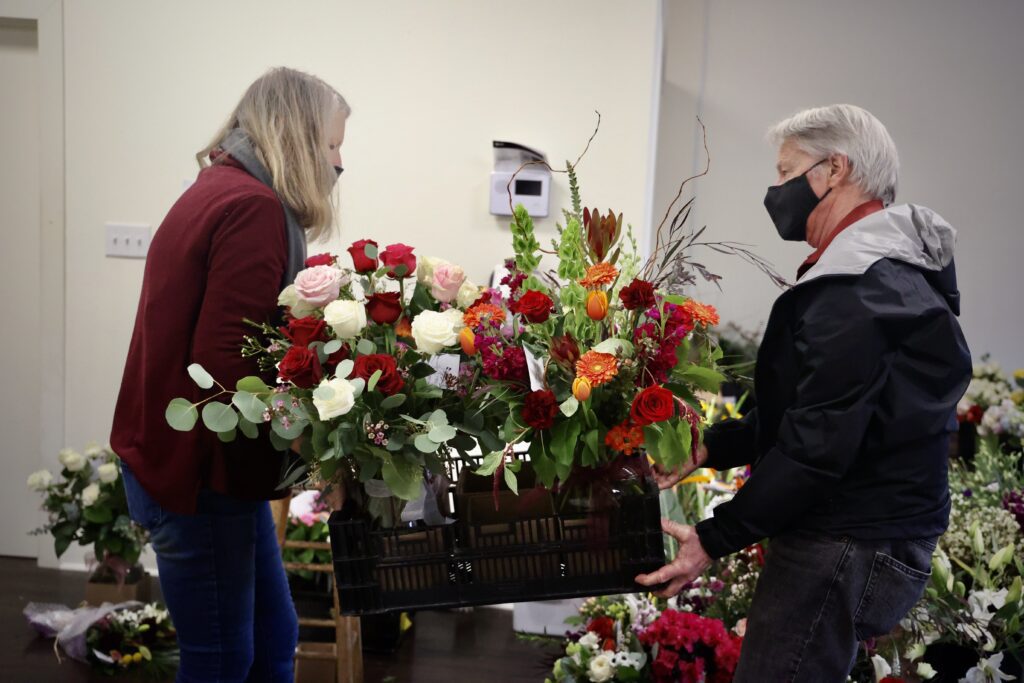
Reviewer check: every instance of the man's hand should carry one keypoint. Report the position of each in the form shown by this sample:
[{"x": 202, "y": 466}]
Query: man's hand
[
  {"x": 667, "y": 480},
  {"x": 690, "y": 562}
]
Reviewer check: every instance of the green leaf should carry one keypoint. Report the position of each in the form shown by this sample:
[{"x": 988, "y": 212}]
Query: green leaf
[
  {"x": 591, "y": 448},
  {"x": 293, "y": 476},
  {"x": 98, "y": 514},
  {"x": 250, "y": 430},
  {"x": 251, "y": 407},
  {"x": 705, "y": 378},
  {"x": 393, "y": 401},
  {"x": 344, "y": 369},
  {"x": 569, "y": 406},
  {"x": 424, "y": 444},
  {"x": 374, "y": 378},
  {"x": 252, "y": 384},
  {"x": 371, "y": 251},
  {"x": 292, "y": 432},
  {"x": 542, "y": 463},
  {"x": 181, "y": 415},
  {"x": 442, "y": 433},
  {"x": 60, "y": 544},
  {"x": 227, "y": 437},
  {"x": 563, "y": 441},
  {"x": 489, "y": 464},
  {"x": 402, "y": 477},
  {"x": 462, "y": 442},
  {"x": 200, "y": 376},
  {"x": 219, "y": 417},
  {"x": 365, "y": 347},
  {"x": 421, "y": 370},
  {"x": 510, "y": 481},
  {"x": 438, "y": 417},
  {"x": 279, "y": 442},
  {"x": 332, "y": 346}
]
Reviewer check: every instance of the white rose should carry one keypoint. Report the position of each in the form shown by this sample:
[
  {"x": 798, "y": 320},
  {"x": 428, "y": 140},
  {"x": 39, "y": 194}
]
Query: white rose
[
  {"x": 39, "y": 480},
  {"x": 334, "y": 398},
  {"x": 589, "y": 640},
  {"x": 468, "y": 293},
  {"x": 71, "y": 459},
  {"x": 347, "y": 318},
  {"x": 425, "y": 269},
  {"x": 926, "y": 671},
  {"x": 107, "y": 472},
  {"x": 601, "y": 669},
  {"x": 89, "y": 494},
  {"x": 433, "y": 331},
  {"x": 93, "y": 451}
]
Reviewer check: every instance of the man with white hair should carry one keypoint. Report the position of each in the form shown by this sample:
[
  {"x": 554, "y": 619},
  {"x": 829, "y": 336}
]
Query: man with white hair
[{"x": 857, "y": 380}]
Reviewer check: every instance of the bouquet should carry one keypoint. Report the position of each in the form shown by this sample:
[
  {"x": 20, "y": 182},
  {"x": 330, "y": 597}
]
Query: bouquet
[
  {"x": 87, "y": 505},
  {"x": 139, "y": 637}
]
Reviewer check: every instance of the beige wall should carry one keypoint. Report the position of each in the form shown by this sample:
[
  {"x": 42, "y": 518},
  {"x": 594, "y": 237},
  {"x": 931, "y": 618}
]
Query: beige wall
[
  {"x": 431, "y": 85},
  {"x": 944, "y": 76}
]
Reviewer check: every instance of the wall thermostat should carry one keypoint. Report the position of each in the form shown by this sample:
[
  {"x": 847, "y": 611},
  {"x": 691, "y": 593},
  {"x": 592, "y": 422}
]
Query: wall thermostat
[{"x": 531, "y": 187}]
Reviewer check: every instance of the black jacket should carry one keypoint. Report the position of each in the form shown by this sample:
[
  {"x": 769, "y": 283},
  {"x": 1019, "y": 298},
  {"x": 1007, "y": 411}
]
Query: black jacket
[{"x": 857, "y": 381}]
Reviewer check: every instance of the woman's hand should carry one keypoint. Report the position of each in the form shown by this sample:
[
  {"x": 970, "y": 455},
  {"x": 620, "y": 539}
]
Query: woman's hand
[
  {"x": 668, "y": 479},
  {"x": 690, "y": 562}
]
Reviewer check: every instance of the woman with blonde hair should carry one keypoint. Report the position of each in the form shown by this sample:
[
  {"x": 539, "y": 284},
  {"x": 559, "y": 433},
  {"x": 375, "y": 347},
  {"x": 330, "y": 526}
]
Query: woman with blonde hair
[{"x": 222, "y": 254}]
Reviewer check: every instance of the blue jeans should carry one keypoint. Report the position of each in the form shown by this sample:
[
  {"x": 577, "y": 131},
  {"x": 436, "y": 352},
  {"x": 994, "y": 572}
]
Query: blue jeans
[
  {"x": 819, "y": 596},
  {"x": 224, "y": 583}
]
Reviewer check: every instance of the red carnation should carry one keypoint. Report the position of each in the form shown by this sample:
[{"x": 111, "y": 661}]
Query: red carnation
[
  {"x": 305, "y": 331},
  {"x": 539, "y": 409},
  {"x": 638, "y": 294},
  {"x": 604, "y": 627},
  {"x": 301, "y": 367},
  {"x": 653, "y": 404},
  {"x": 362, "y": 262},
  {"x": 320, "y": 260},
  {"x": 534, "y": 306},
  {"x": 395, "y": 256},
  {"x": 390, "y": 381},
  {"x": 384, "y": 308}
]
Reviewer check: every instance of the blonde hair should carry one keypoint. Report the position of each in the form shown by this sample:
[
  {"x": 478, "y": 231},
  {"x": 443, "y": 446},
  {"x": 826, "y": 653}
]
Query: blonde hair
[{"x": 285, "y": 113}]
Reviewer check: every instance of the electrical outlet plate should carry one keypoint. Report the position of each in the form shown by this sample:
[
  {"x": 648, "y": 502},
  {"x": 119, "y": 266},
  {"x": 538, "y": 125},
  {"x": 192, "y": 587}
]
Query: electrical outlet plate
[{"x": 128, "y": 240}]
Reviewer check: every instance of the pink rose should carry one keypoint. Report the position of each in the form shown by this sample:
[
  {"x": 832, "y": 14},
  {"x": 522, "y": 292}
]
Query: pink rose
[
  {"x": 319, "y": 285},
  {"x": 448, "y": 279}
]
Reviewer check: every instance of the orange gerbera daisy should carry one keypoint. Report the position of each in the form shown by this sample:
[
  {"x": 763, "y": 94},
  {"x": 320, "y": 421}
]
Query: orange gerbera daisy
[
  {"x": 624, "y": 438},
  {"x": 483, "y": 314},
  {"x": 600, "y": 275},
  {"x": 704, "y": 314},
  {"x": 596, "y": 367}
]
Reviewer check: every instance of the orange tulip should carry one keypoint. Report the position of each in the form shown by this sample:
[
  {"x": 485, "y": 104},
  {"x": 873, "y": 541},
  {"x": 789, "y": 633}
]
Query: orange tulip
[
  {"x": 581, "y": 388},
  {"x": 468, "y": 341},
  {"x": 597, "y": 305}
]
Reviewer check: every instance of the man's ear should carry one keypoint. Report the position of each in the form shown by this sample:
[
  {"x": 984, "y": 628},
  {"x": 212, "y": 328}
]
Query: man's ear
[{"x": 839, "y": 169}]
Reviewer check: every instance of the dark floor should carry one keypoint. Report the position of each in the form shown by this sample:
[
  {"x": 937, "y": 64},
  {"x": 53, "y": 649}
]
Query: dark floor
[{"x": 443, "y": 646}]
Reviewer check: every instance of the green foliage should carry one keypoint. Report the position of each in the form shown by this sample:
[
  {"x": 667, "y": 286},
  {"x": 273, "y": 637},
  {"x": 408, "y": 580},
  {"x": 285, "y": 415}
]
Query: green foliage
[
  {"x": 571, "y": 264},
  {"x": 524, "y": 241}
]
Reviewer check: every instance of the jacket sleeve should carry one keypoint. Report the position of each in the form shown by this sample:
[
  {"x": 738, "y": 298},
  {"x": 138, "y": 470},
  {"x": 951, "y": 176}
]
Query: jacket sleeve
[
  {"x": 732, "y": 443},
  {"x": 843, "y": 362}
]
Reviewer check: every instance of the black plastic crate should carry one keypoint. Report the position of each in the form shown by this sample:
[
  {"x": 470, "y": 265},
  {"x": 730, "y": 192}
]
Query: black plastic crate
[{"x": 480, "y": 561}]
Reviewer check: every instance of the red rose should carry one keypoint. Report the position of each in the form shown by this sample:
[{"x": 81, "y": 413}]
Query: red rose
[
  {"x": 362, "y": 262},
  {"x": 301, "y": 367},
  {"x": 384, "y": 308},
  {"x": 534, "y": 306},
  {"x": 305, "y": 331},
  {"x": 638, "y": 294},
  {"x": 603, "y": 627},
  {"x": 540, "y": 409},
  {"x": 390, "y": 381},
  {"x": 320, "y": 260},
  {"x": 395, "y": 256},
  {"x": 653, "y": 404}
]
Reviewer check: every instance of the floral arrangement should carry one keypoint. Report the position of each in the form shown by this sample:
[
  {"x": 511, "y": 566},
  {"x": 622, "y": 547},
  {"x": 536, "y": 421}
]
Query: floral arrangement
[
  {"x": 642, "y": 638},
  {"x": 86, "y": 504},
  {"x": 307, "y": 521},
  {"x": 394, "y": 367},
  {"x": 994, "y": 403},
  {"x": 138, "y": 638}
]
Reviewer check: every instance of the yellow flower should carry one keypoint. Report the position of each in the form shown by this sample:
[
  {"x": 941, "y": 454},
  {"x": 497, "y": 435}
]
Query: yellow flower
[{"x": 581, "y": 388}]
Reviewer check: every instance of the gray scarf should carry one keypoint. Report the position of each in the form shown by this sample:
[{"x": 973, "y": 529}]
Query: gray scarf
[{"x": 238, "y": 145}]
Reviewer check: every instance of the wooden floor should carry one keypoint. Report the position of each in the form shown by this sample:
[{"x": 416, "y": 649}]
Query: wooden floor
[{"x": 443, "y": 646}]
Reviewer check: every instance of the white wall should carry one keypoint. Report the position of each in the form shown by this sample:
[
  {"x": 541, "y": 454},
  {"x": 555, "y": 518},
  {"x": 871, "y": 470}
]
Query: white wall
[
  {"x": 431, "y": 85},
  {"x": 944, "y": 76}
]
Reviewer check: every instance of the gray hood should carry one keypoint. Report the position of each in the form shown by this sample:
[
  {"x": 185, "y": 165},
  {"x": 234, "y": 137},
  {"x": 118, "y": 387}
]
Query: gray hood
[{"x": 913, "y": 234}]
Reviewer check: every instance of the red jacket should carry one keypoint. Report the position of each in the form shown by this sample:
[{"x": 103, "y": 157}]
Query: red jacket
[{"x": 218, "y": 257}]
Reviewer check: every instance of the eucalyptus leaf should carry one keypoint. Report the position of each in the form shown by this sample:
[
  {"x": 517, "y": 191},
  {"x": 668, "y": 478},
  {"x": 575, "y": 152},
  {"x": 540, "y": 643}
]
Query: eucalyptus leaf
[
  {"x": 249, "y": 406},
  {"x": 181, "y": 415},
  {"x": 358, "y": 385},
  {"x": 371, "y": 384},
  {"x": 424, "y": 444},
  {"x": 227, "y": 437},
  {"x": 292, "y": 431},
  {"x": 332, "y": 346},
  {"x": 393, "y": 401},
  {"x": 371, "y": 251},
  {"x": 252, "y": 384},
  {"x": 438, "y": 417},
  {"x": 249, "y": 429},
  {"x": 219, "y": 417},
  {"x": 402, "y": 477},
  {"x": 200, "y": 376},
  {"x": 365, "y": 347},
  {"x": 344, "y": 369},
  {"x": 442, "y": 433}
]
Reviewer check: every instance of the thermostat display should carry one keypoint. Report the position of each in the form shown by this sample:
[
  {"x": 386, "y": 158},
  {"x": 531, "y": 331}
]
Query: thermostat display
[{"x": 523, "y": 173}]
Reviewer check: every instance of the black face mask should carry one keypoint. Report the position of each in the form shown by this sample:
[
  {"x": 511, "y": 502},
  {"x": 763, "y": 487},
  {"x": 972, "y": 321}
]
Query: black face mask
[
  {"x": 338, "y": 170},
  {"x": 790, "y": 204}
]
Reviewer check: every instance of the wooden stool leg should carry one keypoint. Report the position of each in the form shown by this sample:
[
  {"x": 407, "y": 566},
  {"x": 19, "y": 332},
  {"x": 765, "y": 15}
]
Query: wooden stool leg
[{"x": 349, "y": 641}]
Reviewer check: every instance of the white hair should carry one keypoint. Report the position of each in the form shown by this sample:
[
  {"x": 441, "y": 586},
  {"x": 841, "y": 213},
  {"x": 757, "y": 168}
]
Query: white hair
[{"x": 853, "y": 132}]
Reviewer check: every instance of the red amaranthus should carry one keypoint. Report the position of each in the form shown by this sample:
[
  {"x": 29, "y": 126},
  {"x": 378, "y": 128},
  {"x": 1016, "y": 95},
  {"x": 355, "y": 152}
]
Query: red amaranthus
[{"x": 691, "y": 648}]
